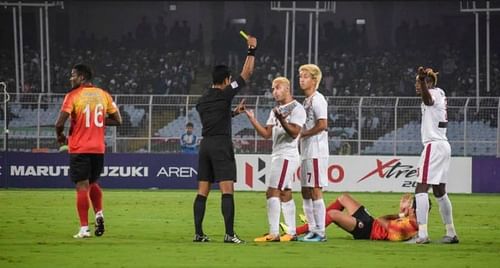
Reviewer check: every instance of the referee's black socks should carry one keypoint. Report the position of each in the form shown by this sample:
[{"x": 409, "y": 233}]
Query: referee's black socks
[
  {"x": 199, "y": 212},
  {"x": 227, "y": 207}
]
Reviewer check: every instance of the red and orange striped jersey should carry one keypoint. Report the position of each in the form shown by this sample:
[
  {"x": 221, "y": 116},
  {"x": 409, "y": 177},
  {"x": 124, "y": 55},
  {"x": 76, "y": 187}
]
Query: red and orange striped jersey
[
  {"x": 400, "y": 229},
  {"x": 88, "y": 106}
]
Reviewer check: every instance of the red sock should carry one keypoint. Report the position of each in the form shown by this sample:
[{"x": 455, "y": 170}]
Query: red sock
[
  {"x": 335, "y": 205},
  {"x": 82, "y": 204},
  {"x": 95, "y": 194},
  {"x": 328, "y": 220},
  {"x": 304, "y": 228}
]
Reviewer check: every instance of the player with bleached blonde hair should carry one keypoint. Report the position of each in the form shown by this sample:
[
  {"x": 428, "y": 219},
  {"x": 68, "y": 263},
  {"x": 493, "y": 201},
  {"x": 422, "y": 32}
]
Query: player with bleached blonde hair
[
  {"x": 314, "y": 152},
  {"x": 283, "y": 125}
]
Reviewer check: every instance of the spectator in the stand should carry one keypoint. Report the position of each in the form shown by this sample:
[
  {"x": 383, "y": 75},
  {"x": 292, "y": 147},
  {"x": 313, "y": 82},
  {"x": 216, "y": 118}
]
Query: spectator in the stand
[
  {"x": 129, "y": 41},
  {"x": 82, "y": 39},
  {"x": 273, "y": 41},
  {"x": 328, "y": 81},
  {"x": 363, "y": 73},
  {"x": 257, "y": 28},
  {"x": 232, "y": 43},
  {"x": 186, "y": 34},
  {"x": 161, "y": 32},
  {"x": 175, "y": 36},
  {"x": 189, "y": 141},
  {"x": 402, "y": 35},
  {"x": 345, "y": 146},
  {"x": 198, "y": 43},
  {"x": 144, "y": 32}
]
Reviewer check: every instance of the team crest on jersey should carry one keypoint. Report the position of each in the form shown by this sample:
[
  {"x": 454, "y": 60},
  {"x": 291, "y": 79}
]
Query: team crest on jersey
[{"x": 234, "y": 84}]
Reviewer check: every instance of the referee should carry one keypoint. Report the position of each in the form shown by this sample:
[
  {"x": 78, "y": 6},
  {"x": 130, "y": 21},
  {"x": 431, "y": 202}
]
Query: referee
[{"x": 216, "y": 155}]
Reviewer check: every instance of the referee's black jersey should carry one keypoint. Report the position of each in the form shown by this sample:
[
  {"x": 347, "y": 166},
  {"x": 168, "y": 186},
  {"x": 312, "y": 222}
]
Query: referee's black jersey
[{"x": 214, "y": 107}]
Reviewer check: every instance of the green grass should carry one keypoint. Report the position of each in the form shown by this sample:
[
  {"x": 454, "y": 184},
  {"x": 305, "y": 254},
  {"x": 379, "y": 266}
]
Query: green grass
[{"x": 155, "y": 228}]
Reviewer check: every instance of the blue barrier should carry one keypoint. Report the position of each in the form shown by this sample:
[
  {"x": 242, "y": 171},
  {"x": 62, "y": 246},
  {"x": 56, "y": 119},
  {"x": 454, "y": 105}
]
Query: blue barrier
[{"x": 121, "y": 170}]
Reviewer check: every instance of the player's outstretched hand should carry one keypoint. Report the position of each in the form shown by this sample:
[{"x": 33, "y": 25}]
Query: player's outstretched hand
[{"x": 250, "y": 113}]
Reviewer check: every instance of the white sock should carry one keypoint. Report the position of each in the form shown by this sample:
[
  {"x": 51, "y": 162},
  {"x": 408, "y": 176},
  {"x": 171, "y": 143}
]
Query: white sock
[
  {"x": 288, "y": 209},
  {"x": 308, "y": 206},
  {"x": 319, "y": 215},
  {"x": 446, "y": 211},
  {"x": 273, "y": 215},
  {"x": 422, "y": 213},
  {"x": 84, "y": 229},
  {"x": 99, "y": 213}
]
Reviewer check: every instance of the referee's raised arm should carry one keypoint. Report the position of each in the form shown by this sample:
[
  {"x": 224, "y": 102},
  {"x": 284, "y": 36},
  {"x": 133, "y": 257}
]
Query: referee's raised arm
[{"x": 247, "y": 69}]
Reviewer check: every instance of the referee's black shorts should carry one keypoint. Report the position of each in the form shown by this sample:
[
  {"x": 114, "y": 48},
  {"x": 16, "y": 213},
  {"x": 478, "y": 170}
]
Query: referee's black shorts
[
  {"x": 216, "y": 159},
  {"x": 85, "y": 167}
]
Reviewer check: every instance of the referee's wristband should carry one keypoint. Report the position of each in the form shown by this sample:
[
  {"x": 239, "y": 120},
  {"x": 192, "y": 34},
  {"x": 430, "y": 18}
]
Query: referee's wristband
[{"x": 251, "y": 51}]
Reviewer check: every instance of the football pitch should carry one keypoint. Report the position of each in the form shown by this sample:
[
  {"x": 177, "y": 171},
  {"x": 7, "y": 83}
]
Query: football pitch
[{"x": 154, "y": 228}]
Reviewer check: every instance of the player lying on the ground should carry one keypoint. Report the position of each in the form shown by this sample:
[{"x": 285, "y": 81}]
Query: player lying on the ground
[{"x": 358, "y": 222}]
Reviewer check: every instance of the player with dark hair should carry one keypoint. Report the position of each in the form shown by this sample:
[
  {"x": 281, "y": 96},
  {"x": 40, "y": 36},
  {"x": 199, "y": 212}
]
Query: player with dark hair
[
  {"x": 91, "y": 109},
  {"x": 216, "y": 155},
  {"x": 436, "y": 156},
  {"x": 358, "y": 221}
]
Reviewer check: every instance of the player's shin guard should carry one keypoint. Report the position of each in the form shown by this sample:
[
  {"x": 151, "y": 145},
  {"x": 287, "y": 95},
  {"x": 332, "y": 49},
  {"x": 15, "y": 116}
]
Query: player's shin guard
[
  {"x": 422, "y": 200},
  {"x": 95, "y": 194},
  {"x": 446, "y": 211},
  {"x": 319, "y": 215},
  {"x": 227, "y": 207},
  {"x": 199, "y": 213},
  {"x": 273, "y": 215},
  {"x": 307, "y": 205},
  {"x": 289, "y": 211},
  {"x": 82, "y": 205}
]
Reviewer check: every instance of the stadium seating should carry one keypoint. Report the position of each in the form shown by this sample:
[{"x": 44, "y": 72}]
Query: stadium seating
[
  {"x": 480, "y": 139},
  {"x": 136, "y": 114},
  {"x": 177, "y": 127}
]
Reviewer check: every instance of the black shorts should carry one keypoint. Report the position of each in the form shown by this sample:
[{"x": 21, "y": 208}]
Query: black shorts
[
  {"x": 85, "y": 167},
  {"x": 364, "y": 222},
  {"x": 216, "y": 159}
]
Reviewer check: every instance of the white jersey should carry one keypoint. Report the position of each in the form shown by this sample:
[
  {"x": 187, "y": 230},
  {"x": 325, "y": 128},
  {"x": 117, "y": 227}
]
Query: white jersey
[
  {"x": 315, "y": 146},
  {"x": 434, "y": 117},
  {"x": 283, "y": 144}
]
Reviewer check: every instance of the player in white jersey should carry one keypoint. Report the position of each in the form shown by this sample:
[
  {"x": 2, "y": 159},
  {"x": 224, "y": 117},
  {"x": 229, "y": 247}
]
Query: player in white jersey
[
  {"x": 283, "y": 126},
  {"x": 314, "y": 152},
  {"x": 435, "y": 158}
]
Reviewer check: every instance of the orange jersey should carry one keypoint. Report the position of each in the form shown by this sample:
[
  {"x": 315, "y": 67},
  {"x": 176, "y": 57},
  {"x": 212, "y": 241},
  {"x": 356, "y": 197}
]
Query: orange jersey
[
  {"x": 397, "y": 230},
  {"x": 87, "y": 106}
]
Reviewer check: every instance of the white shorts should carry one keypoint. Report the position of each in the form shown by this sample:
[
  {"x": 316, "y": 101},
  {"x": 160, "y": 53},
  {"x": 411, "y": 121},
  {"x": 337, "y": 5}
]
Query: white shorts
[
  {"x": 313, "y": 172},
  {"x": 434, "y": 163},
  {"x": 282, "y": 170}
]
